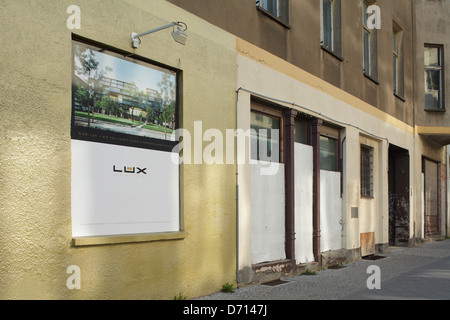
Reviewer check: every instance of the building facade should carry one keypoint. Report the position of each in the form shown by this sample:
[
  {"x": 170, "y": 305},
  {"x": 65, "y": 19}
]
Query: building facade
[
  {"x": 432, "y": 118},
  {"x": 448, "y": 189},
  {"x": 283, "y": 136},
  {"x": 48, "y": 180},
  {"x": 365, "y": 173}
]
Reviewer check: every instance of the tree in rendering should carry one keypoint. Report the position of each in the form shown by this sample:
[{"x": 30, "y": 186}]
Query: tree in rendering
[
  {"x": 167, "y": 90},
  {"x": 88, "y": 66}
]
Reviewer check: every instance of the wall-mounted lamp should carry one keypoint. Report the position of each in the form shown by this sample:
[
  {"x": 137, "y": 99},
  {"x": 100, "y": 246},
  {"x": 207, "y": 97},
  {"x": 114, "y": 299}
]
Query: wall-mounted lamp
[{"x": 178, "y": 35}]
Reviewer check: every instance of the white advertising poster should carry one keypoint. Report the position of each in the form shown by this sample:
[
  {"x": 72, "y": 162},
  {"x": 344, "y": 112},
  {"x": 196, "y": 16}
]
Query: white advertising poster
[
  {"x": 119, "y": 190},
  {"x": 124, "y": 113}
]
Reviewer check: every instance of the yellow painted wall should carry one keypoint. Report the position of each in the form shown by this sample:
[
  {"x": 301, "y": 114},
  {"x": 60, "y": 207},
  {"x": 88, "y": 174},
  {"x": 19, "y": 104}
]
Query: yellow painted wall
[{"x": 35, "y": 174}]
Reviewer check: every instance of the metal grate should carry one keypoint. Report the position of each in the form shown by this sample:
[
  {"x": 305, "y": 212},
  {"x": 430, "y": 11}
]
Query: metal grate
[
  {"x": 274, "y": 283},
  {"x": 373, "y": 257},
  {"x": 366, "y": 171},
  {"x": 336, "y": 267}
]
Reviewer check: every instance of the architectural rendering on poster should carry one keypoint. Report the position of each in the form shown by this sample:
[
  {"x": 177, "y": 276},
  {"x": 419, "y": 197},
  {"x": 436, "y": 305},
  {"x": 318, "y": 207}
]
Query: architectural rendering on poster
[{"x": 112, "y": 93}]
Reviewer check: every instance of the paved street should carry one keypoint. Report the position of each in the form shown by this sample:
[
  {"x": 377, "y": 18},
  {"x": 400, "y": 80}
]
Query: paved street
[{"x": 421, "y": 272}]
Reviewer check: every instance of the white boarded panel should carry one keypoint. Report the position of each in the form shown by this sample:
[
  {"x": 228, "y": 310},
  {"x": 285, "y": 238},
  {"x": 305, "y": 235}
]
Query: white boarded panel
[
  {"x": 120, "y": 190},
  {"x": 303, "y": 203},
  {"x": 268, "y": 214},
  {"x": 330, "y": 210}
]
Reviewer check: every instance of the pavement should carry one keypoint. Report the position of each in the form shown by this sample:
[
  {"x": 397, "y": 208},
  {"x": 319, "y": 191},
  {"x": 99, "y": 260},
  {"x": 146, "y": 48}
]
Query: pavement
[{"x": 414, "y": 273}]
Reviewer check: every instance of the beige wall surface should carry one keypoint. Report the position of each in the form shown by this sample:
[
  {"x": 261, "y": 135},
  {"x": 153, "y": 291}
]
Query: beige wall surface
[
  {"x": 281, "y": 81},
  {"x": 289, "y": 87},
  {"x": 36, "y": 244}
]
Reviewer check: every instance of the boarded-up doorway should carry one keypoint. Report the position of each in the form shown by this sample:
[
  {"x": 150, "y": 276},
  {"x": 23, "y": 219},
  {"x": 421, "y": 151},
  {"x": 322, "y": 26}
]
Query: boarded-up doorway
[
  {"x": 399, "y": 186},
  {"x": 431, "y": 197},
  {"x": 267, "y": 186}
]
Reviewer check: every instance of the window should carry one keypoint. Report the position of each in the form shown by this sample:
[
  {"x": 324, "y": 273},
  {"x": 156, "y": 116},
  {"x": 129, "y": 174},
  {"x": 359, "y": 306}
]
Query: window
[
  {"x": 433, "y": 78},
  {"x": 265, "y": 137},
  {"x": 328, "y": 154},
  {"x": 398, "y": 61},
  {"x": 122, "y": 128},
  {"x": 278, "y": 9},
  {"x": 366, "y": 171},
  {"x": 301, "y": 131},
  {"x": 331, "y": 25},
  {"x": 370, "y": 45}
]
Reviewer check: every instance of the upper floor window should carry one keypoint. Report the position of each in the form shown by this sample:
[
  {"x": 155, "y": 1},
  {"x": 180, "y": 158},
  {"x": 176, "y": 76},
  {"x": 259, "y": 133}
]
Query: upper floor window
[
  {"x": 398, "y": 61},
  {"x": 331, "y": 25},
  {"x": 370, "y": 44},
  {"x": 434, "y": 97},
  {"x": 278, "y": 9}
]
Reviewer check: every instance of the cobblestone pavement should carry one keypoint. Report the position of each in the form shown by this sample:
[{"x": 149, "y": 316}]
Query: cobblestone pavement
[{"x": 421, "y": 272}]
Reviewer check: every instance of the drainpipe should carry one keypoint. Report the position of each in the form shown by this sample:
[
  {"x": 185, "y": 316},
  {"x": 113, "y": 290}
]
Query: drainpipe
[
  {"x": 316, "y": 123},
  {"x": 289, "y": 126},
  {"x": 237, "y": 194}
]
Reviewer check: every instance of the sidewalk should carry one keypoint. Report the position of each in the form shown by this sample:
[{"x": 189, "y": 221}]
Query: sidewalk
[{"x": 421, "y": 272}]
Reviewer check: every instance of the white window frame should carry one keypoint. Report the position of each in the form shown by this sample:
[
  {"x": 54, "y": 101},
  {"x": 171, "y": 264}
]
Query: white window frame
[
  {"x": 439, "y": 68},
  {"x": 264, "y": 4},
  {"x": 280, "y": 11},
  {"x": 331, "y": 26},
  {"x": 370, "y": 55},
  {"x": 398, "y": 61}
]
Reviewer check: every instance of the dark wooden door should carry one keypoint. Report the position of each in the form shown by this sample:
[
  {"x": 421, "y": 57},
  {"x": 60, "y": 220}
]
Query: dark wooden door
[
  {"x": 399, "y": 187},
  {"x": 431, "y": 197}
]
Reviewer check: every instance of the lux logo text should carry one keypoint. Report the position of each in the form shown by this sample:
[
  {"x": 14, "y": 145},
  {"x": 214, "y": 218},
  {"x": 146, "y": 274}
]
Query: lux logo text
[{"x": 131, "y": 170}]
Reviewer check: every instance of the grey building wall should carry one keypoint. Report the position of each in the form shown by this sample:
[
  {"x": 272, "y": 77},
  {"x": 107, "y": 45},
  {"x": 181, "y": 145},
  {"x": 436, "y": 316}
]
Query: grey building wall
[
  {"x": 432, "y": 27},
  {"x": 300, "y": 44}
]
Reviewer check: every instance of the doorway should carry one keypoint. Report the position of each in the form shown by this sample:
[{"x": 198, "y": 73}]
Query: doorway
[
  {"x": 267, "y": 190},
  {"x": 431, "y": 197},
  {"x": 399, "y": 204}
]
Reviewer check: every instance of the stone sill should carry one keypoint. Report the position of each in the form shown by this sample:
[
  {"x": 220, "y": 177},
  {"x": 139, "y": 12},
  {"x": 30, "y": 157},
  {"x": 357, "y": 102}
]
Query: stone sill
[{"x": 134, "y": 238}]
